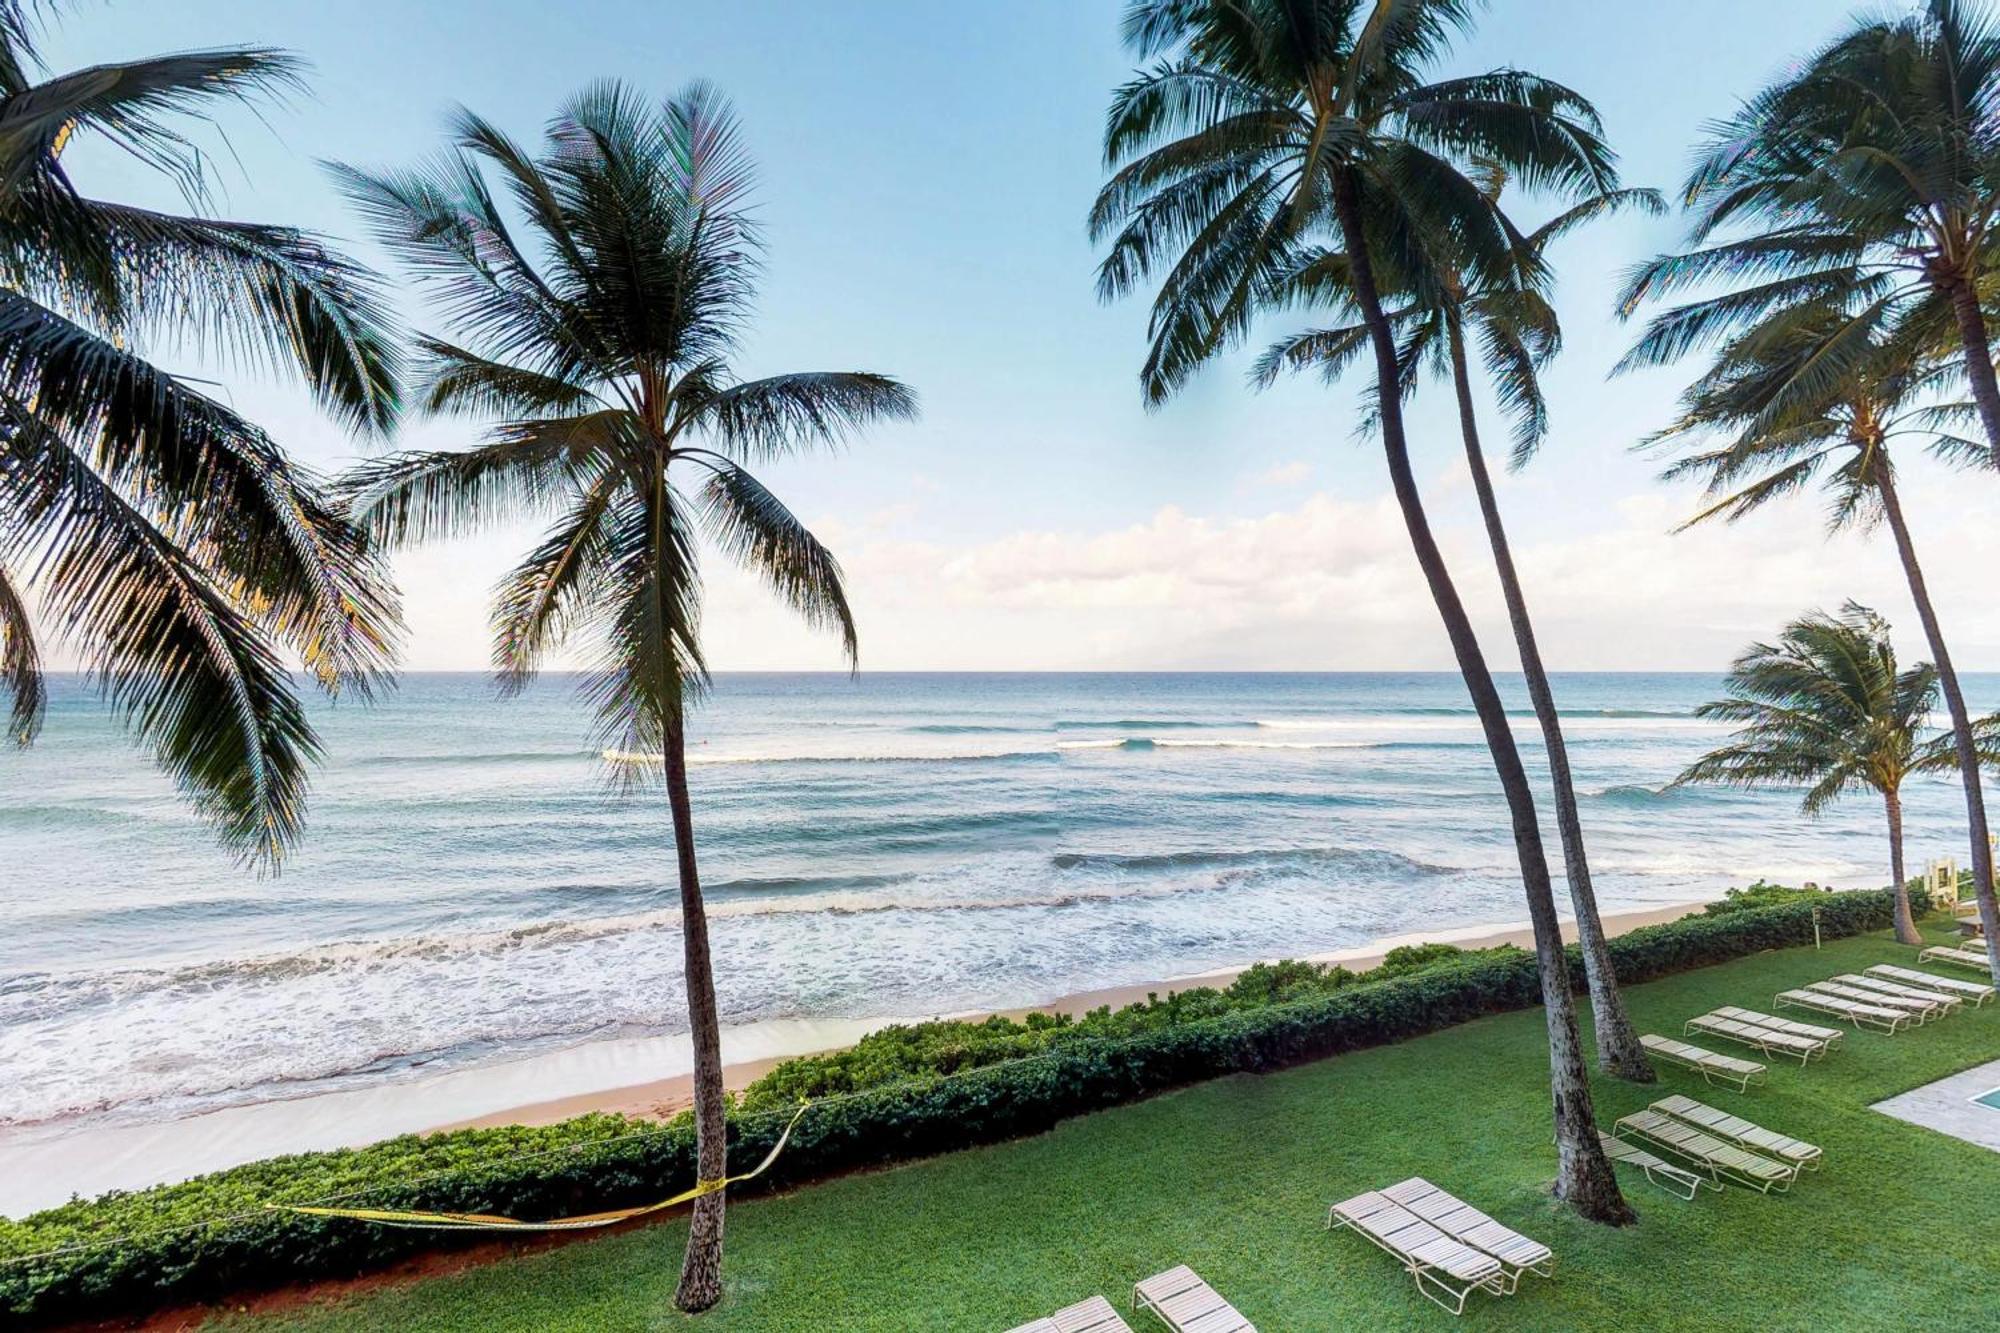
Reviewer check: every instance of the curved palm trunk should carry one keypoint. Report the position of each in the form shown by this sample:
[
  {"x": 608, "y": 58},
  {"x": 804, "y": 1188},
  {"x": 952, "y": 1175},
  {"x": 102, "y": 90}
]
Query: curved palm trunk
[
  {"x": 1618, "y": 1049},
  {"x": 1906, "y": 925},
  {"x": 1961, "y": 720},
  {"x": 1978, "y": 363},
  {"x": 701, "y": 1268},
  {"x": 1583, "y": 1176}
]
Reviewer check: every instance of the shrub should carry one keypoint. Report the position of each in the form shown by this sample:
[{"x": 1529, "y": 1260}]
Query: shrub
[
  {"x": 210, "y": 1236},
  {"x": 1762, "y": 894}
]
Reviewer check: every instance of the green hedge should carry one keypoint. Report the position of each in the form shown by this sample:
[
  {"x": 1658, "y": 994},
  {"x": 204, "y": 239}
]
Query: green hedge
[{"x": 173, "y": 1248}]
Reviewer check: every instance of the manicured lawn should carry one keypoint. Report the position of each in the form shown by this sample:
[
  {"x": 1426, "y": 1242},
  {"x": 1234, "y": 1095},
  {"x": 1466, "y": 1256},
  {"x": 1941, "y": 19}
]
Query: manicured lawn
[{"x": 1901, "y": 1230}]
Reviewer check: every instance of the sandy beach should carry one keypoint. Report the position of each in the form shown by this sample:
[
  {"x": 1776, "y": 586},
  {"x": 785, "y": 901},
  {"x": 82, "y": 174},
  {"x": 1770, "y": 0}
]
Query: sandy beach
[{"x": 41, "y": 1166}]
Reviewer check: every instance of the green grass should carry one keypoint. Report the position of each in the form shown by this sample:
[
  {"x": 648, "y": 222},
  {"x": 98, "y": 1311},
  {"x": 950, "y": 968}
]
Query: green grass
[{"x": 1900, "y": 1230}]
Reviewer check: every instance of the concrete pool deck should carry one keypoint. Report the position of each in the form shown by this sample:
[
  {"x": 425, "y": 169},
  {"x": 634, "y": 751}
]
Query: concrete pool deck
[{"x": 1947, "y": 1106}]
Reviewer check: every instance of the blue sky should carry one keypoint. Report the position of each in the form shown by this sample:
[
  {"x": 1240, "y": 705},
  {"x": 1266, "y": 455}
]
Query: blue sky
[{"x": 925, "y": 173}]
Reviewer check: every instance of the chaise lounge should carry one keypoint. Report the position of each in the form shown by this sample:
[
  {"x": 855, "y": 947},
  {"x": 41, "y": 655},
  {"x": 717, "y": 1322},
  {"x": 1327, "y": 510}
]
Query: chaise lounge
[
  {"x": 1673, "y": 1179},
  {"x": 1768, "y": 1040},
  {"x": 1970, "y": 990},
  {"x": 1186, "y": 1304},
  {"x": 1446, "y": 1271},
  {"x": 1861, "y": 1015},
  {"x": 1712, "y": 1066},
  {"x": 1921, "y": 1010},
  {"x": 1957, "y": 957},
  {"x": 1712, "y": 1155},
  {"x": 1462, "y": 1222},
  {"x": 1941, "y": 1002},
  {"x": 1737, "y": 1130}
]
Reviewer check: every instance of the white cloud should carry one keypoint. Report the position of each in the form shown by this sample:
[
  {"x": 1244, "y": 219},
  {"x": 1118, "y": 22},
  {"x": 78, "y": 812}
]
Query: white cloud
[{"x": 1284, "y": 474}]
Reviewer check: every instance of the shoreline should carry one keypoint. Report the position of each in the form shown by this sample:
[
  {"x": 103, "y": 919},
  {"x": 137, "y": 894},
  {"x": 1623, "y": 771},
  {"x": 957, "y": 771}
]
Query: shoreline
[
  {"x": 661, "y": 1098},
  {"x": 42, "y": 1166}
]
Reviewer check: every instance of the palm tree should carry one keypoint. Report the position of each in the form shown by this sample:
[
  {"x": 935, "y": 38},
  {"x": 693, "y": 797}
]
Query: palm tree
[
  {"x": 1518, "y": 334},
  {"x": 1866, "y": 180},
  {"x": 1269, "y": 124},
  {"x": 169, "y": 540},
  {"x": 1826, "y": 708},
  {"x": 1781, "y": 431},
  {"x": 605, "y": 356}
]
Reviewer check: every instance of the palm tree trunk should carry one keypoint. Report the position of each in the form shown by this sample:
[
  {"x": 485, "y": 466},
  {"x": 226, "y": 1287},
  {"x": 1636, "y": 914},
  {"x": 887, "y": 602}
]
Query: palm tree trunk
[
  {"x": 1906, "y": 924},
  {"x": 1583, "y": 1177},
  {"x": 1961, "y": 720},
  {"x": 1978, "y": 362},
  {"x": 701, "y": 1268},
  {"x": 1618, "y": 1050}
]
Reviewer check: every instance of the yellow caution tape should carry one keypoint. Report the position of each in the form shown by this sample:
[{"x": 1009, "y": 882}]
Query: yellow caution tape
[{"x": 589, "y": 1221}]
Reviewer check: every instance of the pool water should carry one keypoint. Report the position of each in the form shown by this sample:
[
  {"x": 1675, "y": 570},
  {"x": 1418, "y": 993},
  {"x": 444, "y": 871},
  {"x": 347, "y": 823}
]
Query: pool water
[{"x": 1991, "y": 1099}]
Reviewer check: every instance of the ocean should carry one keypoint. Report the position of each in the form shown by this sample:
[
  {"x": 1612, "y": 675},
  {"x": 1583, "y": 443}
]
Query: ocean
[{"x": 473, "y": 889}]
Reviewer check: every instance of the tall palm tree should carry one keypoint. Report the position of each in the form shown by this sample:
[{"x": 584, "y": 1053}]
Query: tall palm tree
[
  {"x": 1826, "y": 708},
  {"x": 1268, "y": 125},
  {"x": 1518, "y": 334},
  {"x": 1869, "y": 179},
  {"x": 1780, "y": 431},
  {"x": 604, "y": 353},
  {"x": 167, "y": 539}
]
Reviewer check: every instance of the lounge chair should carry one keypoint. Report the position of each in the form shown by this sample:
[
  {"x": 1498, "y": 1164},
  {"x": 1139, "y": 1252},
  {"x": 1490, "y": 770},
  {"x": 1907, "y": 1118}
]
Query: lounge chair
[
  {"x": 1940, "y": 1003},
  {"x": 1861, "y": 1015},
  {"x": 1831, "y": 1036},
  {"x": 1923, "y": 1011},
  {"x": 1939, "y": 999},
  {"x": 1446, "y": 1271},
  {"x": 1711, "y": 1066},
  {"x": 1957, "y": 957},
  {"x": 1712, "y": 1155},
  {"x": 1781, "y": 1147},
  {"x": 1095, "y": 1315},
  {"x": 1187, "y": 1304},
  {"x": 1462, "y": 1222},
  {"x": 1970, "y": 990},
  {"x": 1671, "y": 1178},
  {"x": 1768, "y": 1040}
]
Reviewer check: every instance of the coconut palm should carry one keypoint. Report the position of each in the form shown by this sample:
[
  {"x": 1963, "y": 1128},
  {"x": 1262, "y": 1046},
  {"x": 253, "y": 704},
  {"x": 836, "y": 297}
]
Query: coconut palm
[
  {"x": 604, "y": 352},
  {"x": 1270, "y": 125},
  {"x": 1826, "y": 708},
  {"x": 1778, "y": 434},
  {"x": 1518, "y": 334},
  {"x": 167, "y": 539},
  {"x": 1872, "y": 172}
]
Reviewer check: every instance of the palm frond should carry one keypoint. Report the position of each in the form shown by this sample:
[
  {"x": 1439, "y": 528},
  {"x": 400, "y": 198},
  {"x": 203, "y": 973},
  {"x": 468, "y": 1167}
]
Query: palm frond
[
  {"x": 20, "y": 665},
  {"x": 755, "y": 527}
]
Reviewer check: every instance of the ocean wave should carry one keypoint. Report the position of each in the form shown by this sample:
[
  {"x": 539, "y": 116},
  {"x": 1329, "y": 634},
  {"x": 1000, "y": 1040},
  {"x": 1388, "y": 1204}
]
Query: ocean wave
[
  {"x": 1638, "y": 794},
  {"x": 1143, "y": 743},
  {"x": 1371, "y": 858},
  {"x": 698, "y": 760},
  {"x": 467, "y": 757},
  {"x": 1146, "y": 724}
]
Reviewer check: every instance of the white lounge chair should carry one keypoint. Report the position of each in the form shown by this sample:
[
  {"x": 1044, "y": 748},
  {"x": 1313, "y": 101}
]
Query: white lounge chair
[
  {"x": 1768, "y": 1040},
  {"x": 1446, "y": 1271},
  {"x": 1673, "y": 1179},
  {"x": 1861, "y": 1015},
  {"x": 1970, "y": 990},
  {"x": 1957, "y": 957},
  {"x": 1941, "y": 1003},
  {"x": 1712, "y": 1155},
  {"x": 1832, "y": 1037},
  {"x": 1922, "y": 1011},
  {"x": 1186, "y": 1304},
  {"x": 1711, "y": 1066},
  {"x": 1462, "y": 1222},
  {"x": 1737, "y": 1130},
  {"x": 1095, "y": 1315}
]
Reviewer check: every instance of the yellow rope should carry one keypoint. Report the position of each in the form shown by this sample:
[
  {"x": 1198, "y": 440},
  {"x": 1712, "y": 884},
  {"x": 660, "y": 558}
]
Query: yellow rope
[{"x": 589, "y": 1221}]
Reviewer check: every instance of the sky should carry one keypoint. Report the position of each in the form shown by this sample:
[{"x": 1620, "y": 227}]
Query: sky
[{"x": 925, "y": 170}]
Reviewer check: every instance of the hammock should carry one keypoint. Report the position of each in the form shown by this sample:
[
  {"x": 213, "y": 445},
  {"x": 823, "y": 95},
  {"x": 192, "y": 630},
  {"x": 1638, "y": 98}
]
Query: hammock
[{"x": 587, "y": 1222}]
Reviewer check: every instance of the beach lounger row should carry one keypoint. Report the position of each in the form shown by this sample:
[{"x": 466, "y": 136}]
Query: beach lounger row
[
  {"x": 1919, "y": 1009},
  {"x": 1957, "y": 958},
  {"x": 1766, "y": 1032},
  {"x": 1737, "y": 1130},
  {"x": 1178, "y": 1297},
  {"x": 1710, "y": 1155},
  {"x": 1712, "y": 1066},
  {"x": 1966, "y": 990},
  {"x": 1858, "y": 1012},
  {"x": 1448, "y": 1247},
  {"x": 1671, "y": 1178}
]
